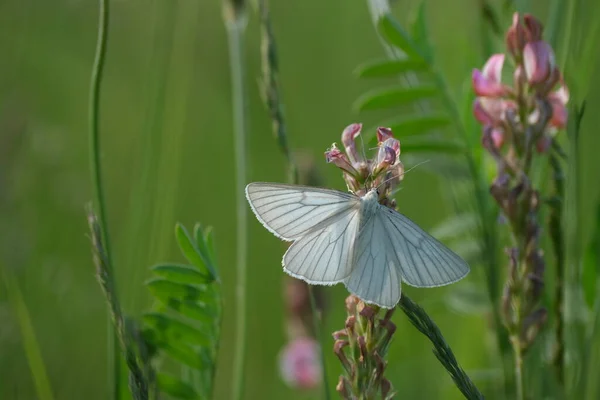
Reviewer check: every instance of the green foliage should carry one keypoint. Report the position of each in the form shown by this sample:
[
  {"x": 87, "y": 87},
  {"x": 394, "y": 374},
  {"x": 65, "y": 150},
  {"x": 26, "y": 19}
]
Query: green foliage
[{"x": 185, "y": 324}]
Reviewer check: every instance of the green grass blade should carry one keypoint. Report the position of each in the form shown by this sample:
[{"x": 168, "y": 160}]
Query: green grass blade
[{"x": 30, "y": 344}]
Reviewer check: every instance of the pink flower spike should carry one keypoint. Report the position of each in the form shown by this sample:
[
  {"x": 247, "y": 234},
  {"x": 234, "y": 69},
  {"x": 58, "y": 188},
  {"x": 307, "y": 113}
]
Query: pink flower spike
[
  {"x": 538, "y": 59},
  {"x": 383, "y": 134},
  {"x": 299, "y": 363},
  {"x": 487, "y": 82}
]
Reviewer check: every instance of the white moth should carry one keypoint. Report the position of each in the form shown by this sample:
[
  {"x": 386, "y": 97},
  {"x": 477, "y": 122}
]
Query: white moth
[{"x": 340, "y": 237}]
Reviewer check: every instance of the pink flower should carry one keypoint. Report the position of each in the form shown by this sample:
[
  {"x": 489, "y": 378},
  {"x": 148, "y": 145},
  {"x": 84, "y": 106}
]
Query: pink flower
[
  {"x": 538, "y": 59},
  {"x": 299, "y": 363},
  {"x": 558, "y": 100},
  {"x": 335, "y": 156},
  {"x": 488, "y": 81}
]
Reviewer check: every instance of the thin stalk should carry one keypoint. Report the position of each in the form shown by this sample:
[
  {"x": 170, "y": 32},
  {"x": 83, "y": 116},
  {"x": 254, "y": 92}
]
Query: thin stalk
[
  {"x": 272, "y": 98},
  {"x": 30, "y": 343},
  {"x": 556, "y": 235},
  {"x": 235, "y": 22},
  {"x": 320, "y": 338},
  {"x": 114, "y": 360}
]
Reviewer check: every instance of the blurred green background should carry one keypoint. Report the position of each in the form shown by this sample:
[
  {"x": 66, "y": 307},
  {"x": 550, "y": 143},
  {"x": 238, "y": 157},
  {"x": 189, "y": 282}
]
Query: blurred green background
[{"x": 166, "y": 132}]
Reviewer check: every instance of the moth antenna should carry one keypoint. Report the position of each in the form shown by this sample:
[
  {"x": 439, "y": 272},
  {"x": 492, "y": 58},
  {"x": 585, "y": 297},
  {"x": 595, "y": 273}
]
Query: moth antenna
[{"x": 402, "y": 174}]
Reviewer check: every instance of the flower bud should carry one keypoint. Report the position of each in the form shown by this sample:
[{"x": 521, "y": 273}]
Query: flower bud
[
  {"x": 383, "y": 134},
  {"x": 349, "y": 135},
  {"x": 515, "y": 37}
]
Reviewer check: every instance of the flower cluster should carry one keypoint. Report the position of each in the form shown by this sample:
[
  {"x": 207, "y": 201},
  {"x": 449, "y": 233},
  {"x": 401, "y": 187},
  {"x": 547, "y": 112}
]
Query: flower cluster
[
  {"x": 361, "y": 348},
  {"x": 536, "y": 99},
  {"x": 518, "y": 121},
  {"x": 384, "y": 171}
]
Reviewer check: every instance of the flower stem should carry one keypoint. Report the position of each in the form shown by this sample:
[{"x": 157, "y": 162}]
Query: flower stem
[
  {"x": 556, "y": 235},
  {"x": 235, "y": 22},
  {"x": 114, "y": 360}
]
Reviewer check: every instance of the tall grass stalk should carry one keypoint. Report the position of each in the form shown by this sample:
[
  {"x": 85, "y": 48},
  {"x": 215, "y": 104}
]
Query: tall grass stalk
[
  {"x": 30, "y": 343},
  {"x": 235, "y": 22},
  {"x": 114, "y": 360},
  {"x": 272, "y": 98}
]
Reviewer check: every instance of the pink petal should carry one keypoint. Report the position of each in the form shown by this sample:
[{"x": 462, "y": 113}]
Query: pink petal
[
  {"x": 350, "y": 133},
  {"x": 480, "y": 114},
  {"x": 483, "y": 86},
  {"x": 538, "y": 59},
  {"x": 487, "y": 81},
  {"x": 493, "y": 68},
  {"x": 497, "y": 136}
]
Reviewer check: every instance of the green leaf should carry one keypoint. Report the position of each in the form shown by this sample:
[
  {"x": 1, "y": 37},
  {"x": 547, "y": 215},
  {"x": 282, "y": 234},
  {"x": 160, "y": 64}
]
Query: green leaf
[
  {"x": 175, "y": 330},
  {"x": 209, "y": 238},
  {"x": 383, "y": 68},
  {"x": 164, "y": 290},
  {"x": 439, "y": 146},
  {"x": 420, "y": 33},
  {"x": 190, "y": 309},
  {"x": 184, "y": 354},
  {"x": 395, "y": 35},
  {"x": 191, "y": 251},
  {"x": 383, "y": 98},
  {"x": 174, "y": 387},
  {"x": 180, "y": 273}
]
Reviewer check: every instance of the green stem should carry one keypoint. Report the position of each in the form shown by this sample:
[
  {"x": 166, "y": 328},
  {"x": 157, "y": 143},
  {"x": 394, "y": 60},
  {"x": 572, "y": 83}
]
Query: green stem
[
  {"x": 320, "y": 338},
  {"x": 114, "y": 360},
  {"x": 235, "y": 30},
  {"x": 30, "y": 343},
  {"x": 556, "y": 235}
]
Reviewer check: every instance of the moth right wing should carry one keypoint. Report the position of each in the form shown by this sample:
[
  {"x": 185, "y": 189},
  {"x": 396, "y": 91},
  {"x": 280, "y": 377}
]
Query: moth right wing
[{"x": 293, "y": 211}]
